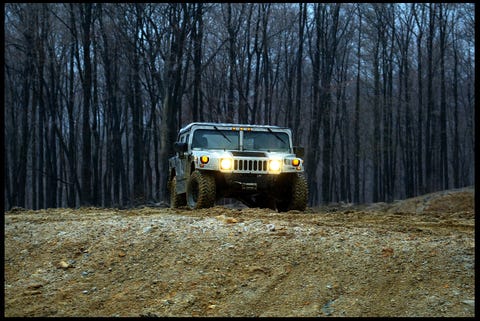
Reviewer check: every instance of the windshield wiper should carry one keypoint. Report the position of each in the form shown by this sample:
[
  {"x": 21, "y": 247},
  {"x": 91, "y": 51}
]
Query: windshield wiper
[
  {"x": 223, "y": 134},
  {"x": 276, "y": 135}
]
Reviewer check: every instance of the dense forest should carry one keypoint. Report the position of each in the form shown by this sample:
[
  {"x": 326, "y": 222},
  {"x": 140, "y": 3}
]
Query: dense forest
[{"x": 380, "y": 95}]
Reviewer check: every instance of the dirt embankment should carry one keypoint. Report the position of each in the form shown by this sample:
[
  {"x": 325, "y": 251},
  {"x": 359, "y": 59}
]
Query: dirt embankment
[{"x": 410, "y": 258}]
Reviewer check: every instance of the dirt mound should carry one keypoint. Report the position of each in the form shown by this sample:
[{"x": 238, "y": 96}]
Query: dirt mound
[
  {"x": 458, "y": 201},
  {"x": 409, "y": 258}
]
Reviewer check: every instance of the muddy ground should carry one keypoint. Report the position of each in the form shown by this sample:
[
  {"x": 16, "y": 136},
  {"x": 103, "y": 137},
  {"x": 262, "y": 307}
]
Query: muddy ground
[{"x": 409, "y": 258}]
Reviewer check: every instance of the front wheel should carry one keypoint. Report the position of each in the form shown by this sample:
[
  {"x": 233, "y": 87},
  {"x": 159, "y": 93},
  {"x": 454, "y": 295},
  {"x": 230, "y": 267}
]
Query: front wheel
[
  {"x": 201, "y": 190},
  {"x": 296, "y": 195}
]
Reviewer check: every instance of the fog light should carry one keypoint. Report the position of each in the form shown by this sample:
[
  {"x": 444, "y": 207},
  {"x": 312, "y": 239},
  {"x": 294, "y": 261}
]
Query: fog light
[
  {"x": 204, "y": 159},
  {"x": 295, "y": 162},
  {"x": 226, "y": 163}
]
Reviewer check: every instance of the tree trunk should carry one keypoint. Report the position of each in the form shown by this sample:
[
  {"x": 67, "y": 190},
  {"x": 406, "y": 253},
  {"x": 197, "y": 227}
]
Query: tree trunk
[
  {"x": 430, "y": 134},
  {"x": 443, "y": 100},
  {"x": 86, "y": 25}
]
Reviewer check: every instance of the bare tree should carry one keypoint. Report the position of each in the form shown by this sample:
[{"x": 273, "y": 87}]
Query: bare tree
[
  {"x": 95, "y": 94},
  {"x": 179, "y": 28}
]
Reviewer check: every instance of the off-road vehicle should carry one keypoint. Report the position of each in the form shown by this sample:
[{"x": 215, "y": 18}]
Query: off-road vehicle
[{"x": 255, "y": 164}]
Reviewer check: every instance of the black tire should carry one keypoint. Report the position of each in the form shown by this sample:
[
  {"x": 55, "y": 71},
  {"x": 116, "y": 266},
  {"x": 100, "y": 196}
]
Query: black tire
[
  {"x": 176, "y": 200},
  {"x": 201, "y": 190},
  {"x": 296, "y": 195},
  {"x": 299, "y": 193}
]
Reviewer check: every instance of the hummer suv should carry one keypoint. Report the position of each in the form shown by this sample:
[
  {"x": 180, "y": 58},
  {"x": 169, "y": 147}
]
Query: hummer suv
[{"x": 255, "y": 164}]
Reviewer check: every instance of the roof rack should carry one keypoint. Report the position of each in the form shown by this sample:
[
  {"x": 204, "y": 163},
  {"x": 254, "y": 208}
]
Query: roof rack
[{"x": 189, "y": 126}]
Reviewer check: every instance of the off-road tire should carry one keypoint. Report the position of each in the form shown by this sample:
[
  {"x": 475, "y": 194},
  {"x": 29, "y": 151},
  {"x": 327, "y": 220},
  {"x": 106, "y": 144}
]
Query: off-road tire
[
  {"x": 176, "y": 200},
  {"x": 296, "y": 195},
  {"x": 201, "y": 190}
]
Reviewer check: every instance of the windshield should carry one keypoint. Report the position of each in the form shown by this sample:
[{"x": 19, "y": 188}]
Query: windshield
[
  {"x": 222, "y": 139},
  {"x": 216, "y": 139},
  {"x": 268, "y": 141}
]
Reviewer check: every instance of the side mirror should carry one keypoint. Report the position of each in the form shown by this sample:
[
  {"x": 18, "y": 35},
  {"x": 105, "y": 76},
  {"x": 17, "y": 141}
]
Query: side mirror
[
  {"x": 299, "y": 151},
  {"x": 180, "y": 147}
]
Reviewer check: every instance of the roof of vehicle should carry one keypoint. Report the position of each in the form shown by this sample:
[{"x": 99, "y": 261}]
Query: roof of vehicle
[{"x": 189, "y": 126}]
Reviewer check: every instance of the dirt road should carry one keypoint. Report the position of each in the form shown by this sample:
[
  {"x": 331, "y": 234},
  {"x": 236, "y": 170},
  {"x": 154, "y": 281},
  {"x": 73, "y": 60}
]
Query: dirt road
[{"x": 409, "y": 258}]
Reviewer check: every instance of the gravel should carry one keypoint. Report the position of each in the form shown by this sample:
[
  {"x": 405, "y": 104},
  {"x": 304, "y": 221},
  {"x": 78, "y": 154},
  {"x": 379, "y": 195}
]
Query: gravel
[{"x": 409, "y": 258}]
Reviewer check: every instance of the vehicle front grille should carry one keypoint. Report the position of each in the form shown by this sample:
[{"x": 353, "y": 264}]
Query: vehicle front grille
[{"x": 250, "y": 165}]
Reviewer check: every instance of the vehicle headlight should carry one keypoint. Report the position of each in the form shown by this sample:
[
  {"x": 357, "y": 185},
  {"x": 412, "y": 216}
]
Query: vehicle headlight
[
  {"x": 275, "y": 165},
  {"x": 204, "y": 159},
  {"x": 226, "y": 163}
]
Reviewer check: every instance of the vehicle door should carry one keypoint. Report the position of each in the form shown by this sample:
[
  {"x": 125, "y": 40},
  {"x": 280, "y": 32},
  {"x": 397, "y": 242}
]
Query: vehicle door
[{"x": 181, "y": 167}]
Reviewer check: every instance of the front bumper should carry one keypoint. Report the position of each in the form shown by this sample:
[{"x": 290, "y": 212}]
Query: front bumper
[{"x": 250, "y": 183}]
